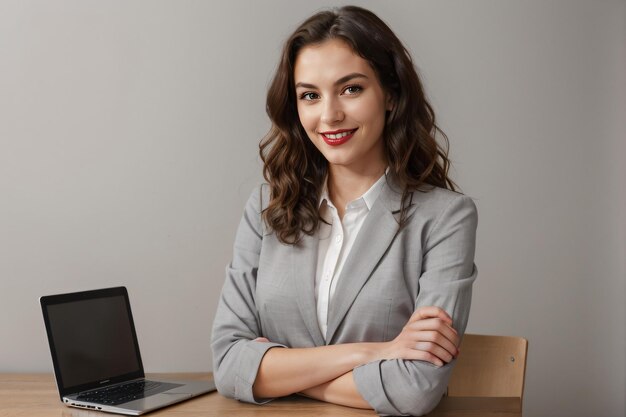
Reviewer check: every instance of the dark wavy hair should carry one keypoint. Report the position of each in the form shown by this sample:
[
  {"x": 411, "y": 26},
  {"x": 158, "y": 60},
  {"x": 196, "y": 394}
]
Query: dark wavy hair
[{"x": 294, "y": 167}]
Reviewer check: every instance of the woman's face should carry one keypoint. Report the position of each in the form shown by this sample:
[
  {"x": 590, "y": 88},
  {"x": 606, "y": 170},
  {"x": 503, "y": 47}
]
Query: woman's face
[{"x": 341, "y": 105}]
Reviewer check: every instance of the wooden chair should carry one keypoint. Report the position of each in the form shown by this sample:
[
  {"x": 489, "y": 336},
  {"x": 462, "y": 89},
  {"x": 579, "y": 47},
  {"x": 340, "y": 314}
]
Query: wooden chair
[{"x": 490, "y": 366}]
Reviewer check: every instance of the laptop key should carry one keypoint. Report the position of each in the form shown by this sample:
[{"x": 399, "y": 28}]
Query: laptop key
[{"x": 126, "y": 392}]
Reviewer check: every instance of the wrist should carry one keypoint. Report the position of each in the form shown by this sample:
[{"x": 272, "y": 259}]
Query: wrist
[{"x": 371, "y": 351}]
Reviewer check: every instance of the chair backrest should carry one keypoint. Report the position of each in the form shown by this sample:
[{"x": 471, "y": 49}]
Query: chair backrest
[{"x": 489, "y": 366}]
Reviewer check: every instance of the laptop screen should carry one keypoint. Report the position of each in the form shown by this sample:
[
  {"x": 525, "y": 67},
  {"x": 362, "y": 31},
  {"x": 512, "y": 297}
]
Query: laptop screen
[{"x": 92, "y": 338}]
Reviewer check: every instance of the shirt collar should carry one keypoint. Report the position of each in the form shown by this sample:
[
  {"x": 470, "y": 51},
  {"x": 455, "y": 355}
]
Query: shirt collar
[
  {"x": 324, "y": 195},
  {"x": 369, "y": 197},
  {"x": 372, "y": 194}
]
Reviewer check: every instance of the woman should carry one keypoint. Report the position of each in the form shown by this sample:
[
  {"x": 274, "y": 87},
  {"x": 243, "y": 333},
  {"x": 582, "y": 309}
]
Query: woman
[{"x": 352, "y": 269}]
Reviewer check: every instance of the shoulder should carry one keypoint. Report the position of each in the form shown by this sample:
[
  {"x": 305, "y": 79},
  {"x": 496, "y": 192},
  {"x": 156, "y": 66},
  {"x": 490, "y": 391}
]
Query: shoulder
[
  {"x": 438, "y": 207},
  {"x": 430, "y": 201},
  {"x": 257, "y": 202},
  {"x": 440, "y": 198},
  {"x": 259, "y": 198}
]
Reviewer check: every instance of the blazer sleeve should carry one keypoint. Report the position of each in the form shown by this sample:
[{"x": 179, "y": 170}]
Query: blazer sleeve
[
  {"x": 405, "y": 387},
  {"x": 236, "y": 356}
]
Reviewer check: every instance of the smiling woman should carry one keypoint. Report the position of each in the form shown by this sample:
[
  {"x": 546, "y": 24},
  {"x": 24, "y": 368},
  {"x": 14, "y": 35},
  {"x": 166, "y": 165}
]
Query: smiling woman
[
  {"x": 334, "y": 108},
  {"x": 353, "y": 267}
]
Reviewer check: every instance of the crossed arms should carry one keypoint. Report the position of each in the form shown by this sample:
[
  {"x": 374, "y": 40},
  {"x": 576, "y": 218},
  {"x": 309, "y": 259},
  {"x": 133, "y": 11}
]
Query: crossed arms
[{"x": 406, "y": 375}]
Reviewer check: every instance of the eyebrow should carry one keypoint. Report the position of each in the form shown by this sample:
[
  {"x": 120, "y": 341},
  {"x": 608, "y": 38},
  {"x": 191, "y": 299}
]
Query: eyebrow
[{"x": 342, "y": 80}]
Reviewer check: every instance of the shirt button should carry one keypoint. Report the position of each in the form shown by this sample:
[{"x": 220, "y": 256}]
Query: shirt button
[{"x": 338, "y": 238}]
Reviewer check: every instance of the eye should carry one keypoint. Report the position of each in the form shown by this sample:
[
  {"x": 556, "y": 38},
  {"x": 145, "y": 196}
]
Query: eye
[
  {"x": 353, "y": 89},
  {"x": 309, "y": 96}
]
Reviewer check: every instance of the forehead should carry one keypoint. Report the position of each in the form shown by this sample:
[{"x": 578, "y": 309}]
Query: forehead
[{"x": 328, "y": 61}]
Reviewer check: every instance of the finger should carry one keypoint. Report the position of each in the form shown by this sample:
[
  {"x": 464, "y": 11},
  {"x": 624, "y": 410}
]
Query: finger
[
  {"x": 438, "y": 338},
  {"x": 261, "y": 339},
  {"x": 427, "y": 312},
  {"x": 422, "y": 355},
  {"x": 410, "y": 337},
  {"x": 431, "y": 324},
  {"x": 437, "y": 325},
  {"x": 436, "y": 350}
]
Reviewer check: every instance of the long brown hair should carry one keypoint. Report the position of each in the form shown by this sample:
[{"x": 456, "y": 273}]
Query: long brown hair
[{"x": 294, "y": 167}]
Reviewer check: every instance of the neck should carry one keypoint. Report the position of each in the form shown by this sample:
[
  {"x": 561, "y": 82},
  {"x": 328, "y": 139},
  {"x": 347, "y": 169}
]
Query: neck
[{"x": 345, "y": 185}]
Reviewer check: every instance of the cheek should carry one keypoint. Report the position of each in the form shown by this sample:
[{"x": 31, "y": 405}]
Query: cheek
[
  {"x": 366, "y": 112},
  {"x": 305, "y": 117},
  {"x": 377, "y": 115}
]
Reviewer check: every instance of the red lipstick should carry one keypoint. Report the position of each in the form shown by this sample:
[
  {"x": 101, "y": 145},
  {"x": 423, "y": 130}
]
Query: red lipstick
[{"x": 340, "y": 136}]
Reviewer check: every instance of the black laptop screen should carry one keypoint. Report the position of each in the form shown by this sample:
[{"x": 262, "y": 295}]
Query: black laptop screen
[{"x": 93, "y": 340}]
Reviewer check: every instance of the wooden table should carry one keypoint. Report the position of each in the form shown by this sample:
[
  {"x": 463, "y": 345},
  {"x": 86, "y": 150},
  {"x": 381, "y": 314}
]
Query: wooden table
[{"x": 35, "y": 395}]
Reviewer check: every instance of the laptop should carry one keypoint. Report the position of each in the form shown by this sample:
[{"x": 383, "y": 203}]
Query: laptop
[{"x": 96, "y": 357}]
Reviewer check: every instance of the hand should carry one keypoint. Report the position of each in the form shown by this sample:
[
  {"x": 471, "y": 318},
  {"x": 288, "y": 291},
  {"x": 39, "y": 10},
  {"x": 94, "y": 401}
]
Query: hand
[
  {"x": 427, "y": 336},
  {"x": 261, "y": 339}
]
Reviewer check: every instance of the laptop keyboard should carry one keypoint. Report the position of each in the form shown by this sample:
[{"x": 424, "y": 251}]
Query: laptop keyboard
[{"x": 123, "y": 393}]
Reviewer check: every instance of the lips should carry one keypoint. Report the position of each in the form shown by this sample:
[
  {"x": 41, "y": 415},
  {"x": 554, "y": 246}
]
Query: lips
[{"x": 338, "y": 137}]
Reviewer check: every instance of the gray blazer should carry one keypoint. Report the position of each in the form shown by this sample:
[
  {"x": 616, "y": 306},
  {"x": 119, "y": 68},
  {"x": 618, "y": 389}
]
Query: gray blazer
[{"x": 269, "y": 292}]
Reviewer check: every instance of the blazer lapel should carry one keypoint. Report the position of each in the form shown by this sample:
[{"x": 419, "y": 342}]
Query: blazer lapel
[
  {"x": 304, "y": 265},
  {"x": 376, "y": 234}
]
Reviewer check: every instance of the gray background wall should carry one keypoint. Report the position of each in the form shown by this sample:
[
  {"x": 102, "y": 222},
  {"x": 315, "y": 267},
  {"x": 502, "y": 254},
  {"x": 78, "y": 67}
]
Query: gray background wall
[{"x": 129, "y": 133}]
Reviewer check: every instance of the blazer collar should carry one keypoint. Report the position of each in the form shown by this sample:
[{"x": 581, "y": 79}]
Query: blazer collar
[
  {"x": 376, "y": 234},
  {"x": 303, "y": 266}
]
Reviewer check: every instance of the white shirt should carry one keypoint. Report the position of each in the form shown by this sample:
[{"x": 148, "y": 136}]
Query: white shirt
[{"x": 335, "y": 242}]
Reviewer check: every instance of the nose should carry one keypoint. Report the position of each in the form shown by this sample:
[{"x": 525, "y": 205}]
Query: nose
[{"x": 332, "y": 112}]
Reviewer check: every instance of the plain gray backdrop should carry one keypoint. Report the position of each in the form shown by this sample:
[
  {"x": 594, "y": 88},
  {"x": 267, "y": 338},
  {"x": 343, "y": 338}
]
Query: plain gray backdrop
[{"x": 129, "y": 134}]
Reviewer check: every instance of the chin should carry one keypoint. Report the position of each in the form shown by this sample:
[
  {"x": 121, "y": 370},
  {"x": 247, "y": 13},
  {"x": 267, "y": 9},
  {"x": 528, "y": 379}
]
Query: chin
[{"x": 338, "y": 159}]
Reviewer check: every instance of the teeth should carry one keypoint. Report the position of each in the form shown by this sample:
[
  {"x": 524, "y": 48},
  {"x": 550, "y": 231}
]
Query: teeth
[{"x": 339, "y": 135}]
